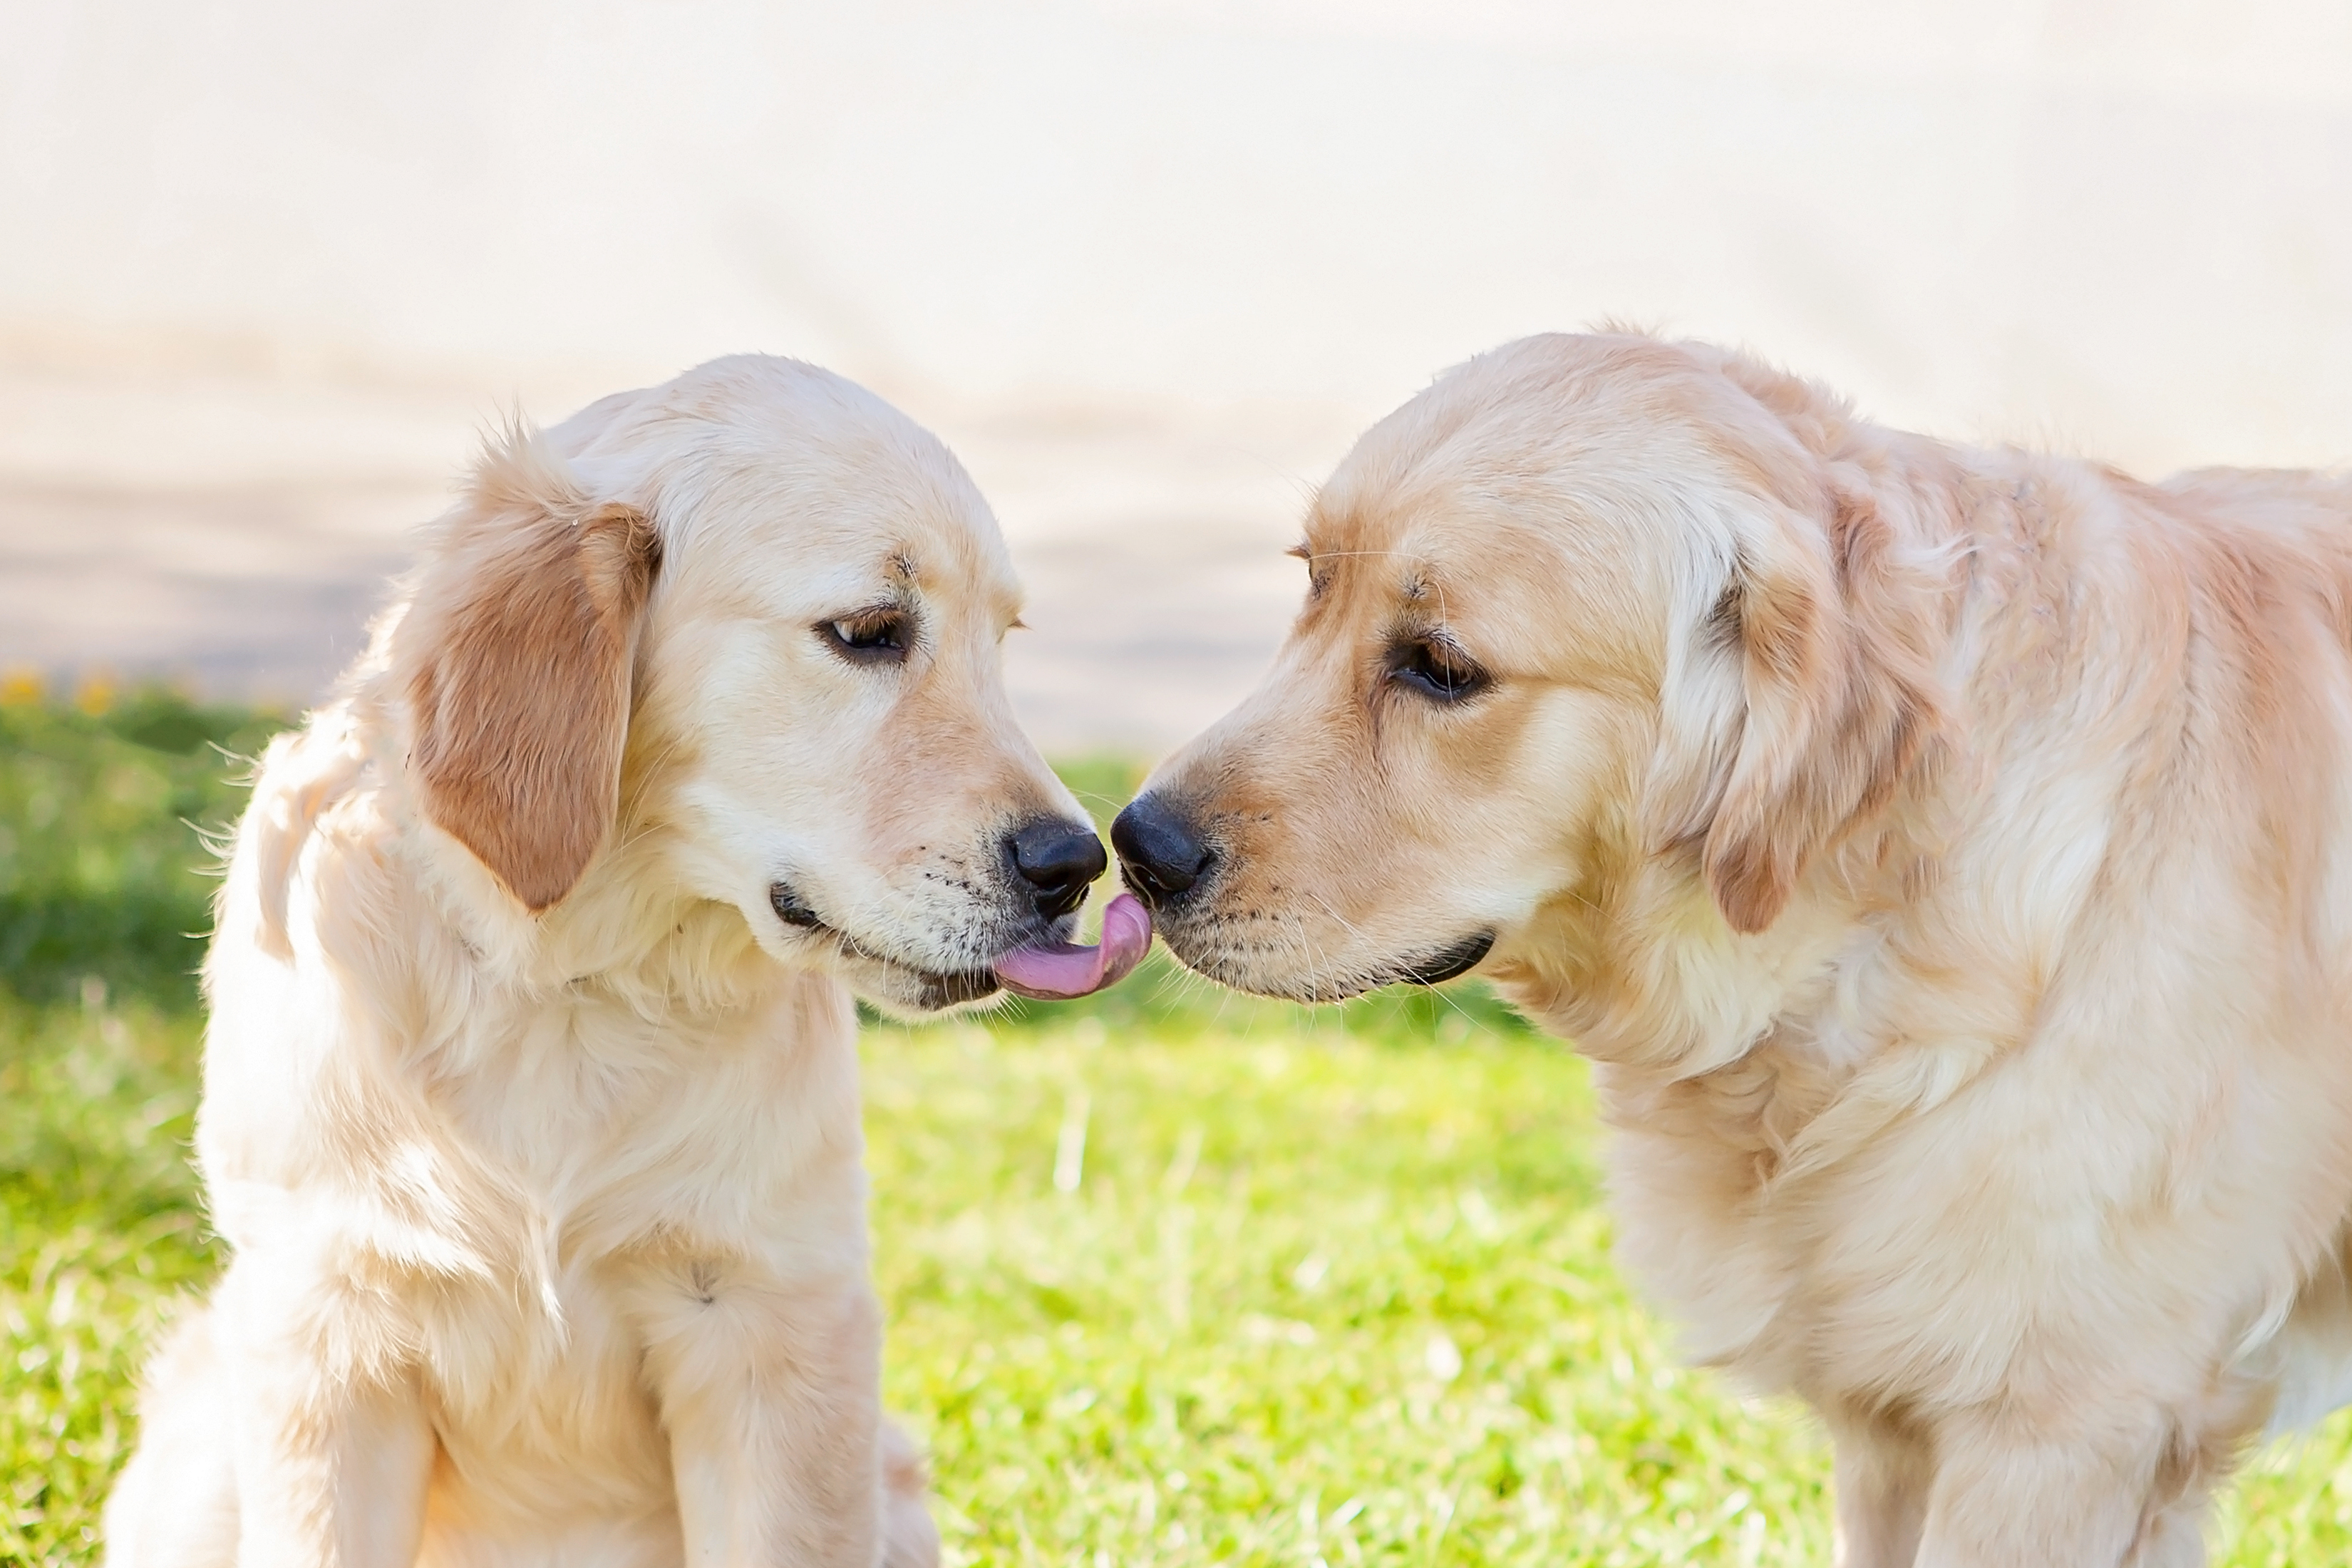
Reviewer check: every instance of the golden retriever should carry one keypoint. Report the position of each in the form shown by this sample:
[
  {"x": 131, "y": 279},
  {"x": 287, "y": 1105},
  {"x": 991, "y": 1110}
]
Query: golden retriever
[
  {"x": 530, "y": 1106},
  {"x": 1944, "y": 856}
]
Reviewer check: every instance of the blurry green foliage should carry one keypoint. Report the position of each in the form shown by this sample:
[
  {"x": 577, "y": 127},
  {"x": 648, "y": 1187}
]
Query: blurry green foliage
[{"x": 104, "y": 802}]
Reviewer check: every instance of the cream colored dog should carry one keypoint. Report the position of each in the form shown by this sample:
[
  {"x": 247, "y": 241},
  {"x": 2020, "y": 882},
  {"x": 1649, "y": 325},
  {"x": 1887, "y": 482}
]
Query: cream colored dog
[
  {"x": 1944, "y": 856},
  {"x": 530, "y": 1105}
]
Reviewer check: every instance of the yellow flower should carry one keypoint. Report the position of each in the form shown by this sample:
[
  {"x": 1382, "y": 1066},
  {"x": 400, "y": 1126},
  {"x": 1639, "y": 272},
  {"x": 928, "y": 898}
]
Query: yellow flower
[{"x": 20, "y": 686}]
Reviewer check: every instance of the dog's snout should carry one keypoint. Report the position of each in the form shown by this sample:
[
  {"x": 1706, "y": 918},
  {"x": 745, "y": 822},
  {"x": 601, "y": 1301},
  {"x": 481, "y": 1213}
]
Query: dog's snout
[
  {"x": 1157, "y": 849},
  {"x": 1058, "y": 859}
]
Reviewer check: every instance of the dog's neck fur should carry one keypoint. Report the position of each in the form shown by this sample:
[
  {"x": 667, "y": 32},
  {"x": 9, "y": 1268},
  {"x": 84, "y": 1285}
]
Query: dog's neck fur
[
  {"x": 627, "y": 932},
  {"x": 1788, "y": 1049},
  {"x": 1638, "y": 964}
]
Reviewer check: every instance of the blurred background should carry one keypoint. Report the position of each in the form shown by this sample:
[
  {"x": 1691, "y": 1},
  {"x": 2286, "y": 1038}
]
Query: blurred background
[
  {"x": 1173, "y": 1278},
  {"x": 267, "y": 268}
]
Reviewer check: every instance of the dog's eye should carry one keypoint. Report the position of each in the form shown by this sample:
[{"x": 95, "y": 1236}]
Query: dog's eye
[
  {"x": 869, "y": 637},
  {"x": 1435, "y": 670}
]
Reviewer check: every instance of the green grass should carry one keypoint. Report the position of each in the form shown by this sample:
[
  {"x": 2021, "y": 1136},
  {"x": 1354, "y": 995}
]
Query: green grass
[
  {"x": 100, "y": 1235},
  {"x": 101, "y": 805},
  {"x": 1305, "y": 1295},
  {"x": 1173, "y": 1278}
]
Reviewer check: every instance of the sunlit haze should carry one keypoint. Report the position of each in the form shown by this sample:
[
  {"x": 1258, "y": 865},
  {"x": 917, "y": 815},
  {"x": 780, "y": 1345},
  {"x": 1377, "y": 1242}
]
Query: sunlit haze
[{"x": 269, "y": 267}]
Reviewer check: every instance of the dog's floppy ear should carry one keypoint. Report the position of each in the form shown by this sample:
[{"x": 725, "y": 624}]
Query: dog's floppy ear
[
  {"x": 515, "y": 655},
  {"x": 1840, "y": 703}
]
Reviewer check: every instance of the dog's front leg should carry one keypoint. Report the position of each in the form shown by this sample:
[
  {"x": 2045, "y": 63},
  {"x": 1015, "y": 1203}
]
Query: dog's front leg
[
  {"x": 1883, "y": 1472},
  {"x": 770, "y": 1389},
  {"x": 333, "y": 1448},
  {"x": 2014, "y": 1492}
]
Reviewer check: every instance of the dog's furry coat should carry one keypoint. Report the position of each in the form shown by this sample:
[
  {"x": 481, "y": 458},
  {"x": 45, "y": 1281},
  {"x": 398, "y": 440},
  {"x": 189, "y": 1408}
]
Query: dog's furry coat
[
  {"x": 532, "y": 1130},
  {"x": 1945, "y": 855}
]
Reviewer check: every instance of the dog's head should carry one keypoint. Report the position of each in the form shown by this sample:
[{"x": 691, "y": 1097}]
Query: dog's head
[
  {"x": 735, "y": 641},
  {"x": 1593, "y": 623}
]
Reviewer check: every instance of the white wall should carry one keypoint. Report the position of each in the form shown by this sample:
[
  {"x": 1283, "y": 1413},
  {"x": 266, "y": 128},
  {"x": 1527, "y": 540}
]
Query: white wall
[
  {"x": 2123, "y": 226},
  {"x": 266, "y": 266}
]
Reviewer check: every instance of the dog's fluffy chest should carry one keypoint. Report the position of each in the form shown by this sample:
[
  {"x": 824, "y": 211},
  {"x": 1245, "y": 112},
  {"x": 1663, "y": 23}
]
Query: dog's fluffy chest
[
  {"x": 603, "y": 1123},
  {"x": 1755, "y": 1196},
  {"x": 539, "y": 1405},
  {"x": 521, "y": 1191},
  {"x": 600, "y": 1147},
  {"x": 615, "y": 1163}
]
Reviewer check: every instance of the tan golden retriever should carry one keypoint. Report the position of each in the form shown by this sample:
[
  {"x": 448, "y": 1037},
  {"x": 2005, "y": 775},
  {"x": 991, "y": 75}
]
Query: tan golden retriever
[
  {"x": 530, "y": 1101},
  {"x": 1944, "y": 856}
]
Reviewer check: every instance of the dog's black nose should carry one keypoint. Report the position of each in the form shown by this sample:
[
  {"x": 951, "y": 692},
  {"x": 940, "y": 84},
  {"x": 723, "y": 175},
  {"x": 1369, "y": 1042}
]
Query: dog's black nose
[
  {"x": 1157, "y": 849},
  {"x": 1058, "y": 859}
]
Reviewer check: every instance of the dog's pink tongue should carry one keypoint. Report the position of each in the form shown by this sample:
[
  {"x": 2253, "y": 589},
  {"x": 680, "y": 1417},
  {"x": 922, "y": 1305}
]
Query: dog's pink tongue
[{"x": 1065, "y": 970}]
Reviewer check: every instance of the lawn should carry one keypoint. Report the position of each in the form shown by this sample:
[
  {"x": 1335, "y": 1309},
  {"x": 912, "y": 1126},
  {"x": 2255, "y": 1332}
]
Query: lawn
[{"x": 1171, "y": 1277}]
